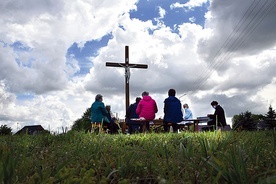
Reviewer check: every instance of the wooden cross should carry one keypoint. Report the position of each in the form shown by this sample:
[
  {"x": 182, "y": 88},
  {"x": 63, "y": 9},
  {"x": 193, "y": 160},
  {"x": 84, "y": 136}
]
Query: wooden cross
[{"x": 127, "y": 67}]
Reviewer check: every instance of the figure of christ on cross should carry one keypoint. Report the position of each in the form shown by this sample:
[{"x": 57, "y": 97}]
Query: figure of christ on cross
[{"x": 127, "y": 67}]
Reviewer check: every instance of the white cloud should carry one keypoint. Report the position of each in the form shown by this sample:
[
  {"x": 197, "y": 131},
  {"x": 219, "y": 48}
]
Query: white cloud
[
  {"x": 50, "y": 33},
  {"x": 192, "y": 19},
  {"x": 162, "y": 12},
  {"x": 189, "y": 5}
]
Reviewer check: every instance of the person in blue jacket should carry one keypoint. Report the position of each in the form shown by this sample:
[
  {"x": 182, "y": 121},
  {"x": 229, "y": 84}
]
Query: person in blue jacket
[
  {"x": 99, "y": 113},
  {"x": 133, "y": 126},
  {"x": 172, "y": 111}
]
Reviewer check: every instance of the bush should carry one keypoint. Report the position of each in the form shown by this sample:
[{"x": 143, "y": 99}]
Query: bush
[{"x": 4, "y": 130}]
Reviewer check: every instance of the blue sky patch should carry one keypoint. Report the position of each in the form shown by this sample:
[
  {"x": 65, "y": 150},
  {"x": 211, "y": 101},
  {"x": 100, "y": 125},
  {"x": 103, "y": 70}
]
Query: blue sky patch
[
  {"x": 90, "y": 49},
  {"x": 149, "y": 10},
  {"x": 18, "y": 46},
  {"x": 24, "y": 96}
]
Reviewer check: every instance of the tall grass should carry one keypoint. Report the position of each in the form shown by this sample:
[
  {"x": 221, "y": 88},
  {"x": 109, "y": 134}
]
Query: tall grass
[{"x": 78, "y": 157}]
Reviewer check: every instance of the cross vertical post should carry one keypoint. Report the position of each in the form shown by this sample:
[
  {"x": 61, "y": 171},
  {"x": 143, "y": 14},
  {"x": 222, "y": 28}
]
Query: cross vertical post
[
  {"x": 127, "y": 67},
  {"x": 127, "y": 76}
]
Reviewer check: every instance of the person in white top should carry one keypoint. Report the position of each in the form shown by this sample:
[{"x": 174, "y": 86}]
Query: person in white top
[{"x": 188, "y": 112}]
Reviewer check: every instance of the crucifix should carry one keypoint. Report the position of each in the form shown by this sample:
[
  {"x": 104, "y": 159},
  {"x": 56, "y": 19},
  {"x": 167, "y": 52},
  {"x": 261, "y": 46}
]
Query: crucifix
[{"x": 127, "y": 67}]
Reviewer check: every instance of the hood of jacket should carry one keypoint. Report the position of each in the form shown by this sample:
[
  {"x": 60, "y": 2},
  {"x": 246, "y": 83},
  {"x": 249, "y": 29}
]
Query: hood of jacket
[{"x": 147, "y": 98}]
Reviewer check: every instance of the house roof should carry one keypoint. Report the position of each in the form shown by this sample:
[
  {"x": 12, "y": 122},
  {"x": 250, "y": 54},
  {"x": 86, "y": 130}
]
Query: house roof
[{"x": 32, "y": 129}]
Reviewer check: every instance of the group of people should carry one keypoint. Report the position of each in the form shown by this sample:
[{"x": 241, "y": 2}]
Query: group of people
[
  {"x": 102, "y": 115},
  {"x": 145, "y": 108}
]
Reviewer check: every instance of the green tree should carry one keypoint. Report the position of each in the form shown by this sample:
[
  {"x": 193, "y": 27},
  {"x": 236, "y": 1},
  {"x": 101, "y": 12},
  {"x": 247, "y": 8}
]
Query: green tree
[
  {"x": 246, "y": 121},
  {"x": 84, "y": 123},
  {"x": 270, "y": 117},
  {"x": 271, "y": 113},
  {"x": 5, "y": 130}
]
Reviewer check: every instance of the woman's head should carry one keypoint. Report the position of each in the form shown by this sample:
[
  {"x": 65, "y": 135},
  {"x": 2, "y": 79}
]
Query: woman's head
[
  {"x": 108, "y": 108},
  {"x": 99, "y": 97},
  {"x": 185, "y": 106},
  {"x": 145, "y": 93}
]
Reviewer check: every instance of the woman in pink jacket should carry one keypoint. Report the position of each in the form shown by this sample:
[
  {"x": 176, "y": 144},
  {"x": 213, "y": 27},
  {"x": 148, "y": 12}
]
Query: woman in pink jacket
[{"x": 147, "y": 108}]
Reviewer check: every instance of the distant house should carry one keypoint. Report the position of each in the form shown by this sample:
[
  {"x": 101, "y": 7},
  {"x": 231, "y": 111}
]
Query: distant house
[{"x": 31, "y": 130}]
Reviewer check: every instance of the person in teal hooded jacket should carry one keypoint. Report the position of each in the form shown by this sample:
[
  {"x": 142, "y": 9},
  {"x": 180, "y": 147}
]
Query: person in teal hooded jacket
[{"x": 99, "y": 112}]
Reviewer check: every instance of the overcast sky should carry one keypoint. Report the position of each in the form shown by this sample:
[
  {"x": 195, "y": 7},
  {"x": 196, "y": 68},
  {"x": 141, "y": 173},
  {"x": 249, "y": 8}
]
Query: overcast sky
[{"x": 53, "y": 55}]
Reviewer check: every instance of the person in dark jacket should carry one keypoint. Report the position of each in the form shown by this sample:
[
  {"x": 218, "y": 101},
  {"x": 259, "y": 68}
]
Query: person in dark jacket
[
  {"x": 113, "y": 125},
  {"x": 172, "y": 111},
  {"x": 99, "y": 113},
  {"x": 219, "y": 115},
  {"x": 133, "y": 126}
]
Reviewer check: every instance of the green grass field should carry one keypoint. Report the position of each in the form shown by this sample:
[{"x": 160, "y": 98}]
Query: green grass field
[{"x": 76, "y": 157}]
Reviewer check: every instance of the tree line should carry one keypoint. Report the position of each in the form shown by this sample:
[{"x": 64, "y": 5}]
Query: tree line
[
  {"x": 248, "y": 121},
  {"x": 243, "y": 121}
]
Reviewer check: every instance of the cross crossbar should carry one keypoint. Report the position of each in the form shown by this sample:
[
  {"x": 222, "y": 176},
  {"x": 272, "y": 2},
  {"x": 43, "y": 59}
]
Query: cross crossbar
[
  {"x": 127, "y": 66},
  {"x": 124, "y": 65}
]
